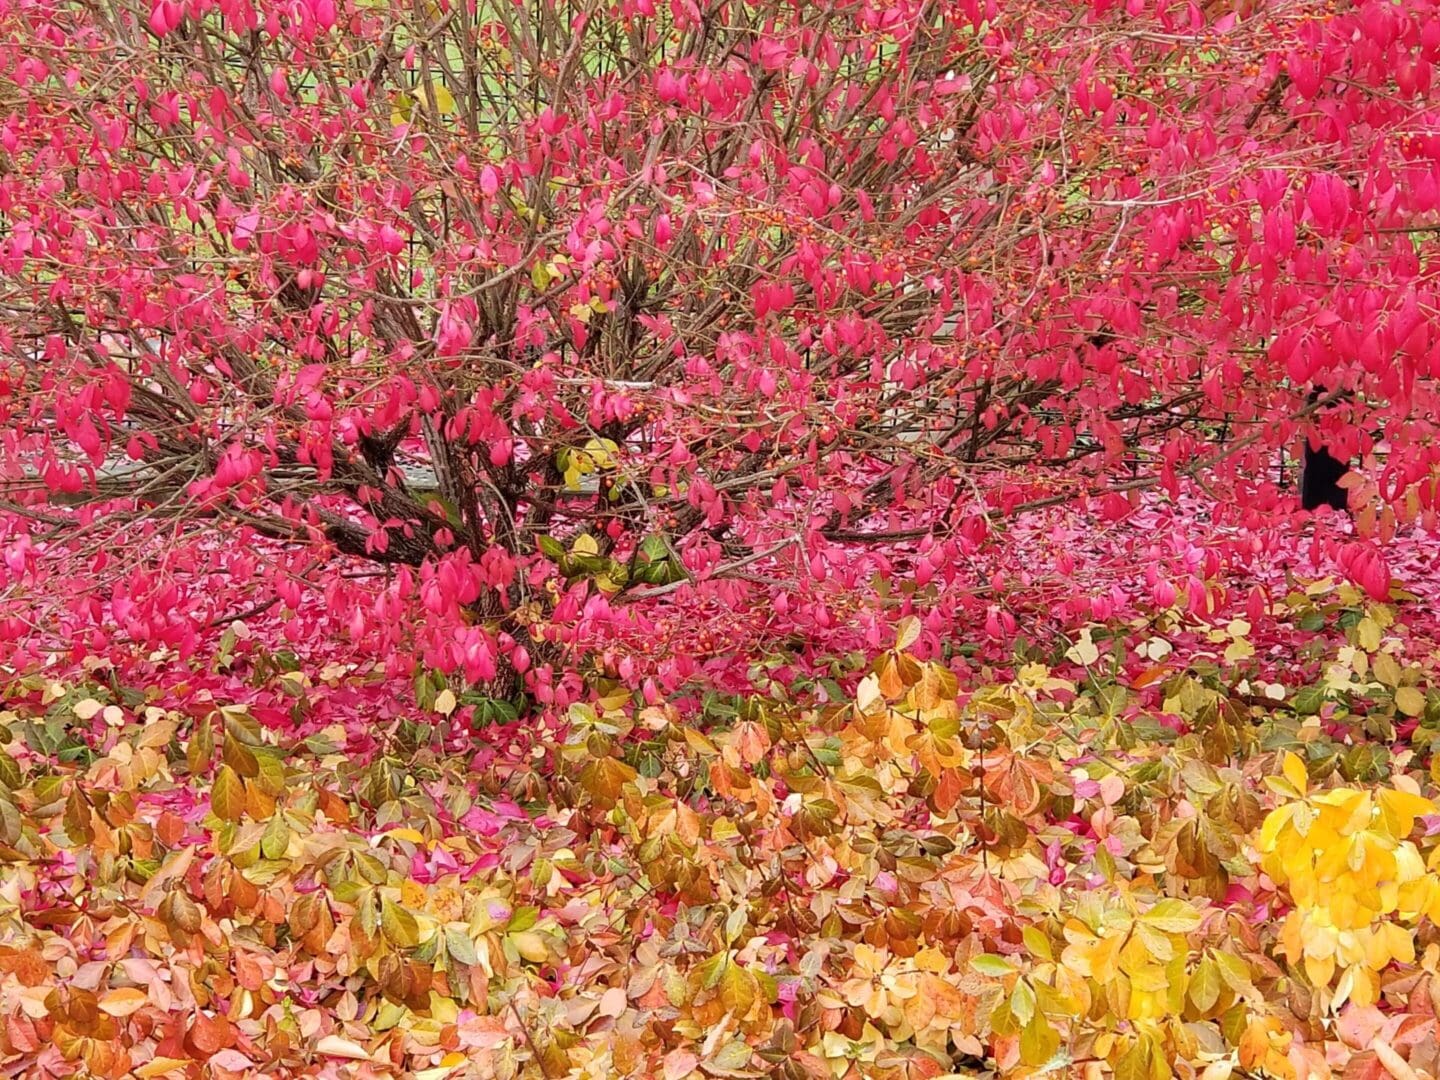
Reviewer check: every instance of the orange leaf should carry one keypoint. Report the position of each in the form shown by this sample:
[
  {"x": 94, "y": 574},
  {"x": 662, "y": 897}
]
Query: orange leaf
[
  {"x": 123, "y": 1002},
  {"x": 211, "y": 1034}
]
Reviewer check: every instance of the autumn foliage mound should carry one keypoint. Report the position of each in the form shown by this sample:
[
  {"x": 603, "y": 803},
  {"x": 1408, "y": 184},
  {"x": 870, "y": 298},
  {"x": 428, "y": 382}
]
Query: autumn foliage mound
[
  {"x": 1113, "y": 856},
  {"x": 547, "y": 314}
]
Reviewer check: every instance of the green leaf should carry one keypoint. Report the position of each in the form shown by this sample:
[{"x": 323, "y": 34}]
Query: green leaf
[
  {"x": 1205, "y": 983},
  {"x": 370, "y": 868},
  {"x": 1022, "y": 1003},
  {"x": 276, "y": 839},
  {"x": 990, "y": 964},
  {"x": 270, "y": 774},
  {"x": 48, "y": 790},
  {"x": 241, "y": 726},
  {"x": 10, "y": 774},
  {"x": 732, "y": 1057},
  {"x": 736, "y": 923},
  {"x": 522, "y": 918},
  {"x": 460, "y": 947},
  {"x": 1234, "y": 971},
  {"x": 227, "y": 798},
  {"x": 1038, "y": 944}
]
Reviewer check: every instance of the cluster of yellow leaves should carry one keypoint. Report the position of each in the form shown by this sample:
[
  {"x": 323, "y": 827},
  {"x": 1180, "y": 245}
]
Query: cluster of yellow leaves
[
  {"x": 1135, "y": 984},
  {"x": 1358, "y": 881},
  {"x": 598, "y": 455}
]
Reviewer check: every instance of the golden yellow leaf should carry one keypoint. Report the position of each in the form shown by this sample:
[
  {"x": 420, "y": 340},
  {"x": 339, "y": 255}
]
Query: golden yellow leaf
[
  {"x": 1400, "y": 809},
  {"x": 1294, "y": 770},
  {"x": 227, "y": 798},
  {"x": 162, "y": 1066}
]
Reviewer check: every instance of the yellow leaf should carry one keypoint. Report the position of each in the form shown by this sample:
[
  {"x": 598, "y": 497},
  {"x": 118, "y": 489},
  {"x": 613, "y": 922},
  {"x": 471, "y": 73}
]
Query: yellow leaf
[
  {"x": 1400, "y": 809},
  {"x": 601, "y": 453},
  {"x": 413, "y": 835},
  {"x": 1367, "y": 633},
  {"x": 399, "y": 925},
  {"x": 1172, "y": 916},
  {"x": 867, "y": 694},
  {"x": 123, "y": 1002},
  {"x": 1205, "y": 985},
  {"x": 585, "y": 544},
  {"x": 1038, "y": 1041},
  {"x": 1083, "y": 652},
  {"x": 1386, "y": 669},
  {"x": 531, "y": 946},
  {"x": 444, "y": 100},
  {"x": 1409, "y": 700},
  {"x": 1319, "y": 970},
  {"x": 1238, "y": 649},
  {"x": 737, "y": 989},
  {"x": 1294, "y": 770},
  {"x": 445, "y": 702},
  {"x": 161, "y": 1066},
  {"x": 1276, "y": 820},
  {"x": 227, "y": 798},
  {"x": 907, "y": 633}
]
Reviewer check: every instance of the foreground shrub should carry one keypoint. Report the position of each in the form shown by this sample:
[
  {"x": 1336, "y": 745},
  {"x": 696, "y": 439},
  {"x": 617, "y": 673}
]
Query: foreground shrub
[{"x": 1187, "y": 869}]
